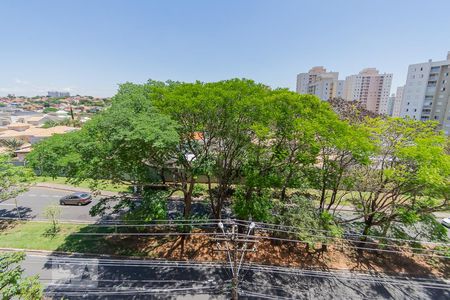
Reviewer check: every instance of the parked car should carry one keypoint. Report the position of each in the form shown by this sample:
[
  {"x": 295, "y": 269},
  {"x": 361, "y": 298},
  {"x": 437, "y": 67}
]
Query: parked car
[
  {"x": 79, "y": 198},
  {"x": 446, "y": 222}
]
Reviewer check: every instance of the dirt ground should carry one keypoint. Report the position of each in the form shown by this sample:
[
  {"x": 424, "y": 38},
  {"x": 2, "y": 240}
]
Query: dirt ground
[{"x": 294, "y": 254}]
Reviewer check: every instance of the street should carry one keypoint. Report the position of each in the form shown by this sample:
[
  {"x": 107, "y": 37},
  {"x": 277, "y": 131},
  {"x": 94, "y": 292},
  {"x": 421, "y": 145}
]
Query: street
[
  {"x": 78, "y": 277},
  {"x": 32, "y": 204}
]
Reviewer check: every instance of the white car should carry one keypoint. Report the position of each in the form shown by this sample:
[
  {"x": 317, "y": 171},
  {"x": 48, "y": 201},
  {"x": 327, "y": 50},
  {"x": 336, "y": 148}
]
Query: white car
[{"x": 446, "y": 222}]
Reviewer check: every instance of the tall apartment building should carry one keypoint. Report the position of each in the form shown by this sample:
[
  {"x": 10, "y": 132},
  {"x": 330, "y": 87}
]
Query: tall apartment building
[
  {"x": 321, "y": 83},
  {"x": 398, "y": 102},
  {"x": 427, "y": 92},
  {"x": 56, "y": 94},
  {"x": 390, "y": 105},
  {"x": 370, "y": 88}
]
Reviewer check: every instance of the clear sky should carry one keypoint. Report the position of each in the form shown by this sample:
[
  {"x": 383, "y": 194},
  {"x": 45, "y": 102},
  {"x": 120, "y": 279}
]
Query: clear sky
[{"x": 88, "y": 47}]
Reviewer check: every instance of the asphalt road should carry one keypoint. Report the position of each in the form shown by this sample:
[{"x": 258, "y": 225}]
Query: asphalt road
[
  {"x": 32, "y": 204},
  {"x": 78, "y": 277}
]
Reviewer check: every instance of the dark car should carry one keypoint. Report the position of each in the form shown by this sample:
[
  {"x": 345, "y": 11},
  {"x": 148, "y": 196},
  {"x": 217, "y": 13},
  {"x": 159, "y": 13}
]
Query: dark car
[{"x": 80, "y": 198}]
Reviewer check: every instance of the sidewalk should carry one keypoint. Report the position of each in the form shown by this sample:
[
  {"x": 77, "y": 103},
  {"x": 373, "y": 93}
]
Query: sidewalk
[{"x": 70, "y": 188}]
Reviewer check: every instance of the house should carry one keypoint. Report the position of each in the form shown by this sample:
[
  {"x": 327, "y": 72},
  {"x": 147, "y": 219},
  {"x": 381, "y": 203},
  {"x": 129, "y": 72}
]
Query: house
[
  {"x": 41, "y": 120},
  {"x": 22, "y": 152},
  {"x": 18, "y": 126},
  {"x": 35, "y": 134}
]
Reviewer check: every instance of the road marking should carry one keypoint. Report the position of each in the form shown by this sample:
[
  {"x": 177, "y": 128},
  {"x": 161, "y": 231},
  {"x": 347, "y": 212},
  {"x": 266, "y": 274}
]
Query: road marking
[{"x": 8, "y": 204}]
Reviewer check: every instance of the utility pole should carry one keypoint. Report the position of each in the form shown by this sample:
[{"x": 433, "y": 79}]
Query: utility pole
[
  {"x": 235, "y": 280},
  {"x": 232, "y": 242}
]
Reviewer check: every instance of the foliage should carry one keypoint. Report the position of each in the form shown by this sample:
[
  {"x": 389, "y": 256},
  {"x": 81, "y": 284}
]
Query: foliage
[
  {"x": 66, "y": 122},
  {"x": 151, "y": 206},
  {"x": 13, "y": 179},
  {"x": 53, "y": 212},
  {"x": 13, "y": 285},
  {"x": 257, "y": 207},
  {"x": 262, "y": 142},
  {"x": 407, "y": 178},
  {"x": 307, "y": 223},
  {"x": 49, "y": 110}
]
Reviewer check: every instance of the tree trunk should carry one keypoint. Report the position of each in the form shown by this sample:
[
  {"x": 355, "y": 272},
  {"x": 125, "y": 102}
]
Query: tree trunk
[
  {"x": 322, "y": 198},
  {"x": 332, "y": 199},
  {"x": 368, "y": 224}
]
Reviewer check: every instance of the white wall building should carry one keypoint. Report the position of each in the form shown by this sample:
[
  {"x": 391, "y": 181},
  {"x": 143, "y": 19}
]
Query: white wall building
[
  {"x": 370, "y": 88},
  {"x": 56, "y": 94},
  {"x": 398, "y": 102},
  {"x": 427, "y": 92},
  {"x": 321, "y": 83}
]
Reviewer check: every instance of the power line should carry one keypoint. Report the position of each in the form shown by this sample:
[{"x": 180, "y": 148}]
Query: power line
[
  {"x": 263, "y": 226},
  {"x": 426, "y": 282},
  {"x": 214, "y": 222},
  {"x": 361, "y": 248}
]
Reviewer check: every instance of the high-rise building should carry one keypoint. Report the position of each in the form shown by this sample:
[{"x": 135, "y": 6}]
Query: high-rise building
[
  {"x": 427, "y": 92},
  {"x": 370, "y": 88},
  {"x": 56, "y": 94},
  {"x": 321, "y": 83},
  {"x": 390, "y": 105},
  {"x": 397, "y": 102}
]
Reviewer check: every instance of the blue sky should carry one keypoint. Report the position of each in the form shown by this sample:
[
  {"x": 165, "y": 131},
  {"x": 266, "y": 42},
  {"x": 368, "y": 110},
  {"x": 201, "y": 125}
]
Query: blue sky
[{"x": 90, "y": 46}]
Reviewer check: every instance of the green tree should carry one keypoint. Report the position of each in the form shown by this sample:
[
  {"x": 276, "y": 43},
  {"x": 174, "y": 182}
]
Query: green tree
[
  {"x": 215, "y": 131},
  {"x": 13, "y": 179},
  {"x": 49, "y": 110},
  {"x": 285, "y": 143},
  {"x": 121, "y": 144},
  {"x": 13, "y": 285},
  {"x": 342, "y": 148},
  {"x": 53, "y": 212},
  {"x": 306, "y": 223},
  {"x": 407, "y": 179}
]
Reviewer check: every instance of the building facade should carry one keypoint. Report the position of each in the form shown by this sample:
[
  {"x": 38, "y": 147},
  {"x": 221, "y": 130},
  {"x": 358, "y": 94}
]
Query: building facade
[
  {"x": 370, "y": 88},
  {"x": 56, "y": 94},
  {"x": 427, "y": 92},
  {"x": 321, "y": 83},
  {"x": 398, "y": 102}
]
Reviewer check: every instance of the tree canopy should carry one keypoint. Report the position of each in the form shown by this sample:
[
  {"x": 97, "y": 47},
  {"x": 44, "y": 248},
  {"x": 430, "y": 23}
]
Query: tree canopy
[{"x": 254, "y": 145}]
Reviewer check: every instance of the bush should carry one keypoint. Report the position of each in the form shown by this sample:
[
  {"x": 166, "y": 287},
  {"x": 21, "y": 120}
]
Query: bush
[{"x": 257, "y": 207}]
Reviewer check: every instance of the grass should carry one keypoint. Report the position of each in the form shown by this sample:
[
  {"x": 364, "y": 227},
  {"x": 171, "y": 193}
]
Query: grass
[
  {"x": 103, "y": 185},
  {"x": 34, "y": 235},
  {"x": 40, "y": 236},
  {"x": 69, "y": 238}
]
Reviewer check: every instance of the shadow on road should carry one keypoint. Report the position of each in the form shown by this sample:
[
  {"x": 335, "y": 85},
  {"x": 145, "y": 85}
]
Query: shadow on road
[{"x": 19, "y": 212}]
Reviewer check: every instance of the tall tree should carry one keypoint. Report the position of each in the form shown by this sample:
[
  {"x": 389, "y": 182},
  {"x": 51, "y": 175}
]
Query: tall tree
[
  {"x": 215, "y": 131},
  {"x": 408, "y": 178}
]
